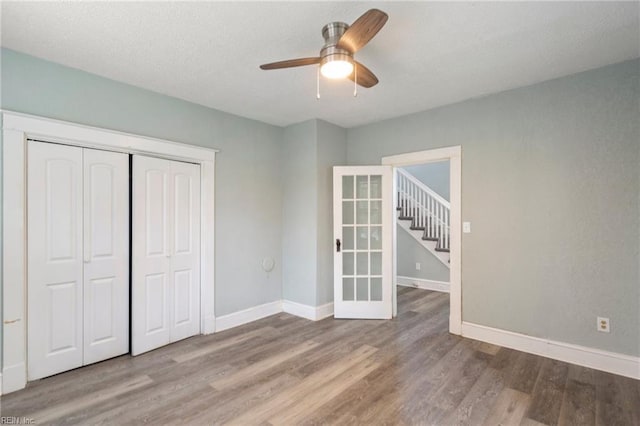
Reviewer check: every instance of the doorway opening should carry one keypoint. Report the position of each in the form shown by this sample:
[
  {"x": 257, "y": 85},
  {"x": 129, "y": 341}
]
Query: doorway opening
[
  {"x": 423, "y": 229},
  {"x": 427, "y": 225}
]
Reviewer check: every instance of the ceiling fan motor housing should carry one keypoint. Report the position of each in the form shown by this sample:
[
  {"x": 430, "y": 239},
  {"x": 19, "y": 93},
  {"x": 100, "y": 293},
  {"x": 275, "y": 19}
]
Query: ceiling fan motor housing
[
  {"x": 330, "y": 51},
  {"x": 341, "y": 42}
]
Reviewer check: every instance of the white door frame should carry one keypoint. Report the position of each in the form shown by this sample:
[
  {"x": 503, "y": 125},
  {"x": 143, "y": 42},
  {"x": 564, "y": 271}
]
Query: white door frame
[
  {"x": 454, "y": 155},
  {"x": 16, "y": 129},
  {"x": 382, "y": 309}
]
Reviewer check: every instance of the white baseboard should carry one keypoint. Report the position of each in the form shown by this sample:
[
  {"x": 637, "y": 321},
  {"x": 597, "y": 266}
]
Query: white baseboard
[
  {"x": 14, "y": 377},
  {"x": 433, "y": 285},
  {"x": 209, "y": 324},
  {"x": 247, "y": 315},
  {"x": 611, "y": 362},
  {"x": 324, "y": 311},
  {"x": 313, "y": 313}
]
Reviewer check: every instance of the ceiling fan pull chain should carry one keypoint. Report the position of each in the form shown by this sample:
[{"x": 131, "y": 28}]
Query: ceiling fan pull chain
[
  {"x": 355, "y": 81},
  {"x": 318, "y": 84}
]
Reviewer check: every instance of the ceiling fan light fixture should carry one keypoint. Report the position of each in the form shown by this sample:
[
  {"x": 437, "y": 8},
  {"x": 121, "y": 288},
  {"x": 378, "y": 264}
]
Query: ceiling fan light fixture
[
  {"x": 341, "y": 42},
  {"x": 336, "y": 66}
]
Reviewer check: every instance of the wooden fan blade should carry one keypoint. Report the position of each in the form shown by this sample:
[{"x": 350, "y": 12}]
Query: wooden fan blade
[
  {"x": 290, "y": 63},
  {"x": 363, "y": 76},
  {"x": 363, "y": 30}
]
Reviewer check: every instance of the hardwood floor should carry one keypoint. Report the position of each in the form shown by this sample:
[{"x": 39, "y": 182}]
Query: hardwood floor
[{"x": 287, "y": 370}]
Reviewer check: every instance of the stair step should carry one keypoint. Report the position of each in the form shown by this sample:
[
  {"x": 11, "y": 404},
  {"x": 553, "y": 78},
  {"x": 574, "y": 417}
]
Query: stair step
[
  {"x": 442, "y": 249},
  {"x": 429, "y": 239},
  {"x": 416, "y": 228},
  {"x": 405, "y": 217}
]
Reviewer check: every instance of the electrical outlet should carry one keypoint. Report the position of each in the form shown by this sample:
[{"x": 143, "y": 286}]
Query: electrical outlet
[
  {"x": 603, "y": 325},
  {"x": 417, "y": 266},
  {"x": 466, "y": 227}
]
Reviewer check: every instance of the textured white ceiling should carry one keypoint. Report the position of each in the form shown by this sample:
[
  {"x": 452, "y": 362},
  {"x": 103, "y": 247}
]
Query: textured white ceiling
[{"x": 429, "y": 54}]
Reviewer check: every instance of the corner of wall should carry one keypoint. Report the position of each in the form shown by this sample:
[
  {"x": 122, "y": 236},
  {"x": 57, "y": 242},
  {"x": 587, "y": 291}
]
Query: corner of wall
[
  {"x": 332, "y": 151},
  {"x": 299, "y": 212}
]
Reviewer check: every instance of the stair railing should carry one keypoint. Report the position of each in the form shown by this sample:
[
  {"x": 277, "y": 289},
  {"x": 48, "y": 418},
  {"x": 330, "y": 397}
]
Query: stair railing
[{"x": 429, "y": 210}]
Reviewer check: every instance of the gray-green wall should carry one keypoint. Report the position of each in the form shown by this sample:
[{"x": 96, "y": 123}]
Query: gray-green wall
[
  {"x": 434, "y": 175},
  {"x": 551, "y": 185},
  {"x": 248, "y": 183},
  {"x": 300, "y": 212},
  {"x": 309, "y": 151},
  {"x": 332, "y": 151},
  {"x": 411, "y": 252}
]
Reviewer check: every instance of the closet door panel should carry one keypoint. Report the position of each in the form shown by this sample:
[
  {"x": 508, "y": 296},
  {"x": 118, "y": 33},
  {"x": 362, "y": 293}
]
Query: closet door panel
[
  {"x": 185, "y": 258},
  {"x": 54, "y": 253},
  {"x": 151, "y": 266},
  {"x": 106, "y": 255}
]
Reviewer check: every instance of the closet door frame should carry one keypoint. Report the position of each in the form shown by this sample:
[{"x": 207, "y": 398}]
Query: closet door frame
[{"x": 16, "y": 130}]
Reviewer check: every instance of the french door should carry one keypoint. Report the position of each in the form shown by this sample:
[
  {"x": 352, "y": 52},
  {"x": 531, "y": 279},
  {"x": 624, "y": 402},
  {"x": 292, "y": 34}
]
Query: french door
[
  {"x": 78, "y": 257},
  {"x": 362, "y": 217},
  {"x": 166, "y": 252}
]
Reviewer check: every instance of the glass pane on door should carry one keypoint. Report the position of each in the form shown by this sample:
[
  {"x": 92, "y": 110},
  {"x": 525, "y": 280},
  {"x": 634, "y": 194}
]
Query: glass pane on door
[{"x": 362, "y": 206}]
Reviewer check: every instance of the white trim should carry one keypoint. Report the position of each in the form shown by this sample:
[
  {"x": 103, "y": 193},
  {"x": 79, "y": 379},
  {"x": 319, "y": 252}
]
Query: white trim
[
  {"x": 313, "y": 313},
  {"x": 454, "y": 155},
  {"x": 94, "y": 137},
  {"x": 17, "y": 128},
  {"x": 423, "y": 284},
  {"x": 611, "y": 362},
  {"x": 419, "y": 157},
  {"x": 324, "y": 311},
  {"x": 13, "y": 377},
  {"x": 245, "y": 316},
  {"x": 209, "y": 325}
]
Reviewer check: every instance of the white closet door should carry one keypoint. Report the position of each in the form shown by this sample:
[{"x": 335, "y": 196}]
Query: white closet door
[
  {"x": 106, "y": 255},
  {"x": 166, "y": 252},
  {"x": 151, "y": 263},
  {"x": 185, "y": 258},
  {"x": 54, "y": 293}
]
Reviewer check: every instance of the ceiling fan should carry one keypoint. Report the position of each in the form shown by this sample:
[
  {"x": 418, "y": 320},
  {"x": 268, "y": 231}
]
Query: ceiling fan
[{"x": 341, "y": 42}]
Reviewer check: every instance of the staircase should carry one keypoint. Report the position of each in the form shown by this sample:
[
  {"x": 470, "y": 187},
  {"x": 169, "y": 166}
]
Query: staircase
[{"x": 424, "y": 215}]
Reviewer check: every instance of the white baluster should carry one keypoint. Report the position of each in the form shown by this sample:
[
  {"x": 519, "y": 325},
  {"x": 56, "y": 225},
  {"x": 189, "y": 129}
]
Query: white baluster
[
  {"x": 446, "y": 230},
  {"x": 428, "y": 209},
  {"x": 404, "y": 196},
  {"x": 400, "y": 188},
  {"x": 441, "y": 224},
  {"x": 409, "y": 202},
  {"x": 419, "y": 212},
  {"x": 449, "y": 229},
  {"x": 439, "y": 229},
  {"x": 433, "y": 218},
  {"x": 422, "y": 197},
  {"x": 413, "y": 200},
  {"x": 429, "y": 216},
  {"x": 411, "y": 190}
]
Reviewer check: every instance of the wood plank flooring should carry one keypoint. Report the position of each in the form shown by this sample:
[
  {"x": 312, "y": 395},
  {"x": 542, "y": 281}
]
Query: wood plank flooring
[{"x": 285, "y": 370}]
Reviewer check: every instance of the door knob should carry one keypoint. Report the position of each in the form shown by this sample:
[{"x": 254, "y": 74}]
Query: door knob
[{"x": 338, "y": 245}]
